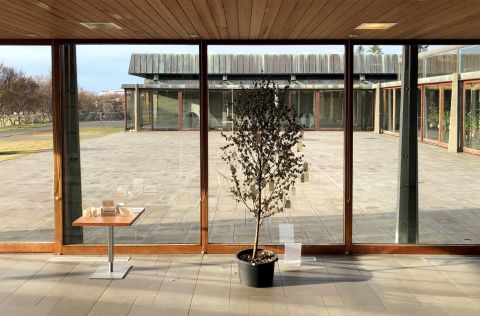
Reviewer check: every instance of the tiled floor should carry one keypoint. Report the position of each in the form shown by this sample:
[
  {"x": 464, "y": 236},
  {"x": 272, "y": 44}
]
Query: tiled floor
[
  {"x": 208, "y": 285},
  {"x": 160, "y": 170}
]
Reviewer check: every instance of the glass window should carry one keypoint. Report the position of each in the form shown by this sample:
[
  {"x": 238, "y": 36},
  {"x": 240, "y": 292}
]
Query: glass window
[
  {"x": 130, "y": 108},
  {"x": 191, "y": 109},
  {"x": 220, "y": 109},
  {"x": 470, "y": 58},
  {"x": 432, "y": 115},
  {"x": 313, "y": 209},
  {"x": 447, "y": 103},
  {"x": 156, "y": 169},
  {"x": 303, "y": 104},
  {"x": 26, "y": 157},
  {"x": 165, "y": 110},
  {"x": 363, "y": 110},
  {"x": 331, "y": 109},
  {"x": 471, "y": 120},
  {"x": 442, "y": 64},
  {"x": 146, "y": 109},
  {"x": 388, "y": 95},
  {"x": 398, "y": 104}
]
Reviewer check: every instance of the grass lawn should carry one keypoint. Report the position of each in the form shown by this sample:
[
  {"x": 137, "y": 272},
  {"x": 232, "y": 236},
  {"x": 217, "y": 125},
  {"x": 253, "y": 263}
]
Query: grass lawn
[
  {"x": 42, "y": 141},
  {"x": 22, "y": 127}
]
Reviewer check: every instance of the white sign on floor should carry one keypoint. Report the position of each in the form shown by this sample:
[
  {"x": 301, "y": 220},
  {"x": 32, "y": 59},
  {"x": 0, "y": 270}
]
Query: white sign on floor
[{"x": 293, "y": 254}]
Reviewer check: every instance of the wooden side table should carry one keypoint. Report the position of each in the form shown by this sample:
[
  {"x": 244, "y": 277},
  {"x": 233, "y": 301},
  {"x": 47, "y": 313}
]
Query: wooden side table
[{"x": 110, "y": 272}]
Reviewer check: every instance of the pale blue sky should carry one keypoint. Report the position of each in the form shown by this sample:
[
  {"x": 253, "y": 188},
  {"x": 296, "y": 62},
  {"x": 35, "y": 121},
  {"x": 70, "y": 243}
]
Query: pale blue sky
[{"x": 105, "y": 67}]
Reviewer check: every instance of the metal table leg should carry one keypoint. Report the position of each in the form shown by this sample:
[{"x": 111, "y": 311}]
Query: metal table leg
[{"x": 110, "y": 272}]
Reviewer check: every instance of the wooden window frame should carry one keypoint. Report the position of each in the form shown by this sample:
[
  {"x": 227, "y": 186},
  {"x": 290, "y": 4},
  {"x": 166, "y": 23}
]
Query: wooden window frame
[{"x": 57, "y": 246}]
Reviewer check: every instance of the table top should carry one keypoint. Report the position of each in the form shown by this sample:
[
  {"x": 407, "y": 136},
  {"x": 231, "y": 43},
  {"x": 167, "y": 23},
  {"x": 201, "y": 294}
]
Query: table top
[{"x": 117, "y": 220}]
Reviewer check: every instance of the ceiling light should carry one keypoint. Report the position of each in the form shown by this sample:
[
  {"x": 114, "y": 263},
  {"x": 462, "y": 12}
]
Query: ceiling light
[
  {"x": 101, "y": 26},
  {"x": 353, "y": 35},
  {"x": 194, "y": 36},
  {"x": 32, "y": 35},
  {"x": 375, "y": 26},
  {"x": 43, "y": 5}
]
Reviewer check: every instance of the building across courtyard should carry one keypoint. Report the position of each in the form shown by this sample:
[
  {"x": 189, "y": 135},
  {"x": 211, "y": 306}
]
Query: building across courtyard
[{"x": 449, "y": 102}]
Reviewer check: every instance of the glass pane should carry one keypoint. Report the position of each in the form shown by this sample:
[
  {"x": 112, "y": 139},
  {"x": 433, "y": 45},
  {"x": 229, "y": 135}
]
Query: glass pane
[
  {"x": 375, "y": 152},
  {"x": 363, "y": 110},
  {"x": 447, "y": 103},
  {"x": 388, "y": 110},
  {"x": 130, "y": 108},
  {"x": 146, "y": 109},
  {"x": 432, "y": 116},
  {"x": 398, "y": 104},
  {"x": 220, "y": 109},
  {"x": 191, "y": 109},
  {"x": 331, "y": 107},
  {"x": 470, "y": 58},
  {"x": 419, "y": 113},
  {"x": 313, "y": 210},
  {"x": 165, "y": 109},
  {"x": 26, "y": 164},
  {"x": 303, "y": 104},
  {"x": 472, "y": 116},
  {"x": 157, "y": 168}
]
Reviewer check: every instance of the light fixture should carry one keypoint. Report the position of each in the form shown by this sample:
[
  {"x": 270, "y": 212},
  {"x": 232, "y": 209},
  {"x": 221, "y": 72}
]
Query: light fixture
[
  {"x": 375, "y": 26},
  {"x": 353, "y": 35},
  {"x": 101, "y": 26},
  {"x": 32, "y": 35},
  {"x": 194, "y": 36}
]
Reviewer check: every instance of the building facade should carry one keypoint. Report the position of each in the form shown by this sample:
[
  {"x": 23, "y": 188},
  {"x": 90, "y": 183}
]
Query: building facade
[{"x": 448, "y": 113}]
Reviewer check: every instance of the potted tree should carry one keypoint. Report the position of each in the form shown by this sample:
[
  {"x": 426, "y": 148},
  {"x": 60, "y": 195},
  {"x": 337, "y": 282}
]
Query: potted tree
[{"x": 263, "y": 166}]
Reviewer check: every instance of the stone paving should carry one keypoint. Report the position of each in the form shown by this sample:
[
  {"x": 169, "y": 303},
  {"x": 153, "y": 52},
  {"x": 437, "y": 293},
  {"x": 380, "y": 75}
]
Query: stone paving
[
  {"x": 160, "y": 170},
  {"x": 400, "y": 285}
]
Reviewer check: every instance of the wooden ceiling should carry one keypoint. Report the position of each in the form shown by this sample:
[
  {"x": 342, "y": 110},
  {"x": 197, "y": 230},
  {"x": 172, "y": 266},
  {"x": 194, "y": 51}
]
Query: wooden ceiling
[{"x": 239, "y": 19}]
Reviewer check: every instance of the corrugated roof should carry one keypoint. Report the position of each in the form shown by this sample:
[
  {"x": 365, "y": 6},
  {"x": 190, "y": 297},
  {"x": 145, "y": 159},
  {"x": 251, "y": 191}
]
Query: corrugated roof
[{"x": 144, "y": 65}]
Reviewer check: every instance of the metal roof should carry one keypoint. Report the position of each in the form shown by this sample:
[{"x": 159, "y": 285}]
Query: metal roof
[{"x": 147, "y": 65}]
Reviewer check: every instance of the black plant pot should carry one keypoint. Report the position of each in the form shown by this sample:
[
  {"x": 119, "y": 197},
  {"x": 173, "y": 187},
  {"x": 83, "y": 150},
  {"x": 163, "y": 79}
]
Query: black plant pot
[{"x": 255, "y": 274}]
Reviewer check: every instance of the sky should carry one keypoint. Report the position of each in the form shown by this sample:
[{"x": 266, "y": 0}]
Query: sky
[{"x": 105, "y": 67}]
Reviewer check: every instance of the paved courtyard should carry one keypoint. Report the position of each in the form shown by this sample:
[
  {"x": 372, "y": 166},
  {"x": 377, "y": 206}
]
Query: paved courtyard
[
  {"x": 401, "y": 285},
  {"x": 160, "y": 170}
]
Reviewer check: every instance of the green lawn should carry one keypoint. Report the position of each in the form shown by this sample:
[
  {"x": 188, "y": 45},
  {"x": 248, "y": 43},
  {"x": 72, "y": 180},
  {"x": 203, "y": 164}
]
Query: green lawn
[
  {"x": 23, "y": 127},
  {"x": 34, "y": 142}
]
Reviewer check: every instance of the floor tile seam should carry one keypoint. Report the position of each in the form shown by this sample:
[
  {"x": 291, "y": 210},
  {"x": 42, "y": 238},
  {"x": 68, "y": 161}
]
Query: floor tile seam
[
  {"x": 163, "y": 278},
  {"x": 445, "y": 275},
  {"x": 195, "y": 286},
  {"x": 99, "y": 297},
  {"x": 58, "y": 284},
  {"x": 24, "y": 281}
]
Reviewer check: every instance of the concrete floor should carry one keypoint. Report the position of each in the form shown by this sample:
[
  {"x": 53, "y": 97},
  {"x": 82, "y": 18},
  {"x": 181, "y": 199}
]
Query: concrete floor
[
  {"x": 160, "y": 170},
  {"x": 208, "y": 285}
]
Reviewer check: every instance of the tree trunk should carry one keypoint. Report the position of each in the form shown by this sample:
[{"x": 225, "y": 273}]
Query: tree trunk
[{"x": 255, "y": 245}]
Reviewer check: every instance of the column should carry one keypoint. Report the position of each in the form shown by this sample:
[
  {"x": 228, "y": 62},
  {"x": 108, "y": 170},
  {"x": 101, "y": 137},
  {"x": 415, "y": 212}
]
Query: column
[
  {"x": 455, "y": 133},
  {"x": 407, "y": 223},
  {"x": 136, "y": 109},
  {"x": 376, "y": 120},
  {"x": 71, "y": 146}
]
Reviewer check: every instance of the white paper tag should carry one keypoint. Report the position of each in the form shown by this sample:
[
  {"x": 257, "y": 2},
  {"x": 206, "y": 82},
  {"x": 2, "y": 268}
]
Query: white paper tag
[{"x": 293, "y": 254}]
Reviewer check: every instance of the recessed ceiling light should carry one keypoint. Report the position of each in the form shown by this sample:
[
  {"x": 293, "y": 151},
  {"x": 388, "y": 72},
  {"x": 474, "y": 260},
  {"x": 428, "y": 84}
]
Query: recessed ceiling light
[
  {"x": 194, "y": 36},
  {"x": 32, "y": 35},
  {"x": 43, "y": 5},
  {"x": 375, "y": 26},
  {"x": 101, "y": 26},
  {"x": 353, "y": 35}
]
